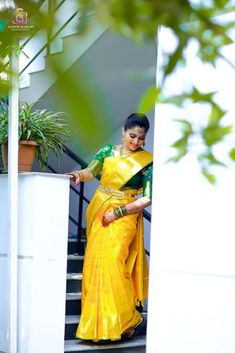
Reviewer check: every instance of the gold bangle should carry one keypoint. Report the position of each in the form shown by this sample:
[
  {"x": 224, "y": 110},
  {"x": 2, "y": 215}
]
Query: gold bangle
[
  {"x": 120, "y": 211},
  {"x": 117, "y": 213},
  {"x": 79, "y": 173},
  {"x": 124, "y": 210}
]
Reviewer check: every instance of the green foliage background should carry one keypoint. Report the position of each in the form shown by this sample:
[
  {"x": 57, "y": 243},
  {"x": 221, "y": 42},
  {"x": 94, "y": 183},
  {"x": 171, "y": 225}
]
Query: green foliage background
[{"x": 139, "y": 20}]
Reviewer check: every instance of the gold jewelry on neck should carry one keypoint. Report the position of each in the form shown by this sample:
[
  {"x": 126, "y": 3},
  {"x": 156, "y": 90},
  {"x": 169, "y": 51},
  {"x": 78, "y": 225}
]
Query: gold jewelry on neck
[{"x": 124, "y": 153}]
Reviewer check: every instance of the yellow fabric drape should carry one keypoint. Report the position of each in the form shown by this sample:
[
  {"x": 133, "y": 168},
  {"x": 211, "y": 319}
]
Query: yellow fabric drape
[{"x": 115, "y": 271}]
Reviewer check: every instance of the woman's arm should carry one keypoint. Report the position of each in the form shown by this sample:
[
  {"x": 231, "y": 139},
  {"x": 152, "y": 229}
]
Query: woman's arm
[
  {"x": 81, "y": 175},
  {"x": 133, "y": 207},
  {"x": 93, "y": 168},
  {"x": 138, "y": 205}
]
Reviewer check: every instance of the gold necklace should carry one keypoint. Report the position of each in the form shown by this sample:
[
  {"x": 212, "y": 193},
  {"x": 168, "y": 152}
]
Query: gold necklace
[{"x": 122, "y": 153}]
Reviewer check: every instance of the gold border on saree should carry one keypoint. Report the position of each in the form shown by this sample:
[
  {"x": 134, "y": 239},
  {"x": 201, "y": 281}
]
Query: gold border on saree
[{"x": 114, "y": 192}]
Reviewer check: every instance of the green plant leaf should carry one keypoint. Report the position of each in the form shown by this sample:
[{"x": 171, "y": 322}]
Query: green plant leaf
[{"x": 49, "y": 129}]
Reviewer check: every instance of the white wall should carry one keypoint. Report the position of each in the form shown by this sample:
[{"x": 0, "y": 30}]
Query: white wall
[
  {"x": 42, "y": 261},
  {"x": 192, "y": 270}
]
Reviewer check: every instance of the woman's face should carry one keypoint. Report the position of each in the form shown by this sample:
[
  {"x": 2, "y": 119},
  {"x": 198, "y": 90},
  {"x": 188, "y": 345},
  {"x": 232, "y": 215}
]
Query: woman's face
[{"x": 134, "y": 138}]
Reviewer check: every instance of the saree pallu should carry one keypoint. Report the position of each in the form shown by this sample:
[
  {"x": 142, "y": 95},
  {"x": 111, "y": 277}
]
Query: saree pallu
[{"x": 115, "y": 274}]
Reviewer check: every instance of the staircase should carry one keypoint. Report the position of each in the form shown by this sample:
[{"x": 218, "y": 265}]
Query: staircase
[
  {"x": 43, "y": 79},
  {"x": 73, "y": 310}
]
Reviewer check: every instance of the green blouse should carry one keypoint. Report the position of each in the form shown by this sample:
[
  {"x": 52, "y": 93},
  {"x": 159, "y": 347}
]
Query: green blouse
[{"x": 143, "y": 179}]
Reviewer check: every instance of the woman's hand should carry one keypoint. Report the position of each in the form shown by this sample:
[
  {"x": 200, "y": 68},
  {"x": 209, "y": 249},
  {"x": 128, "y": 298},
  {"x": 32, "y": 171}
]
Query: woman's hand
[
  {"x": 108, "y": 218},
  {"x": 75, "y": 177},
  {"x": 81, "y": 175}
]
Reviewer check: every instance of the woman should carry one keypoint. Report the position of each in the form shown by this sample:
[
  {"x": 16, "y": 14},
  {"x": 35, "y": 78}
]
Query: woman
[{"x": 115, "y": 269}]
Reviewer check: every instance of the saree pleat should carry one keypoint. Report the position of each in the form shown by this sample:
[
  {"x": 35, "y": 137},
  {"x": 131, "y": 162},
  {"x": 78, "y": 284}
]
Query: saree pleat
[{"x": 108, "y": 294}]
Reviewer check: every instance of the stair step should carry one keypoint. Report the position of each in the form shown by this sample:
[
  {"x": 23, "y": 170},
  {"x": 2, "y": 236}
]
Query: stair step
[
  {"x": 71, "y": 324},
  {"x": 74, "y": 249},
  {"x": 74, "y": 276},
  {"x": 72, "y": 319},
  {"x": 73, "y": 303},
  {"x": 73, "y": 307},
  {"x": 75, "y": 257},
  {"x": 73, "y": 296},
  {"x": 74, "y": 282},
  {"x": 136, "y": 344},
  {"x": 75, "y": 263},
  {"x": 73, "y": 239}
]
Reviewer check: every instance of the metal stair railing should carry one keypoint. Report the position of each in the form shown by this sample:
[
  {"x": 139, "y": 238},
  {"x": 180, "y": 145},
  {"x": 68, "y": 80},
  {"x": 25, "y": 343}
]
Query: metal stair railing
[
  {"x": 39, "y": 4},
  {"x": 49, "y": 7},
  {"x": 50, "y": 38},
  {"x": 81, "y": 195}
]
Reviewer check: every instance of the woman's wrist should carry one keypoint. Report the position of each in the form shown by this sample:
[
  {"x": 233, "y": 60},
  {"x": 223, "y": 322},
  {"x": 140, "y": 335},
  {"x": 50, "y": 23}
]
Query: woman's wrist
[
  {"x": 120, "y": 211},
  {"x": 78, "y": 173}
]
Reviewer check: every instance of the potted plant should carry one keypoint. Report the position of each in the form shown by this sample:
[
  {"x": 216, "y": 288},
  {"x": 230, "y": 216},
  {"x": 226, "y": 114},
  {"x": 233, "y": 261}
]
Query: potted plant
[{"x": 40, "y": 131}]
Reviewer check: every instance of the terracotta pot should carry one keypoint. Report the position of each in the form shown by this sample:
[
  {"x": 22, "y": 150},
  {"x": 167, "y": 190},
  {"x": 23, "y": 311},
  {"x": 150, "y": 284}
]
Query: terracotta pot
[{"x": 26, "y": 155}]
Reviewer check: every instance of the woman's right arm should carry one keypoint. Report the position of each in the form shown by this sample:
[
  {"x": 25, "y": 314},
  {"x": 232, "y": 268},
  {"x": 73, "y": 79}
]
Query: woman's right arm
[
  {"x": 93, "y": 168},
  {"x": 81, "y": 175}
]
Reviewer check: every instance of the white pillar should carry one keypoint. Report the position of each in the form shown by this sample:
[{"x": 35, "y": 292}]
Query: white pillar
[
  {"x": 42, "y": 258},
  {"x": 192, "y": 269},
  {"x": 13, "y": 203}
]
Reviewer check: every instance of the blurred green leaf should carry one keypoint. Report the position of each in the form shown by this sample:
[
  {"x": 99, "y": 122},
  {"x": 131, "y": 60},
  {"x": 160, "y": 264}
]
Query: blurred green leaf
[
  {"x": 181, "y": 152},
  {"x": 216, "y": 114},
  {"x": 175, "y": 58},
  {"x": 185, "y": 126},
  {"x": 181, "y": 143},
  {"x": 4, "y": 87},
  {"x": 194, "y": 95},
  {"x": 148, "y": 100},
  {"x": 232, "y": 154},
  {"x": 3, "y": 24},
  {"x": 86, "y": 105},
  {"x": 207, "y": 159},
  {"x": 214, "y": 134},
  {"x": 198, "y": 96},
  {"x": 209, "y": 176}
]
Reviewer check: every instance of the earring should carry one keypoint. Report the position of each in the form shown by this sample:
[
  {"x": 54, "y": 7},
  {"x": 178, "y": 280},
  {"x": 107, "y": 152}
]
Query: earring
[
  {"x": 144, "y": 144},
  {"x": 122, "y": 139}
]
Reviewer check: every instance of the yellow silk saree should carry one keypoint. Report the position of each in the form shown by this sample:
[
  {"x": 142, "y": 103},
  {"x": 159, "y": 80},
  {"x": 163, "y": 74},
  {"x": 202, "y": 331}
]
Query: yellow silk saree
[{"x": 115, "y": 275}]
